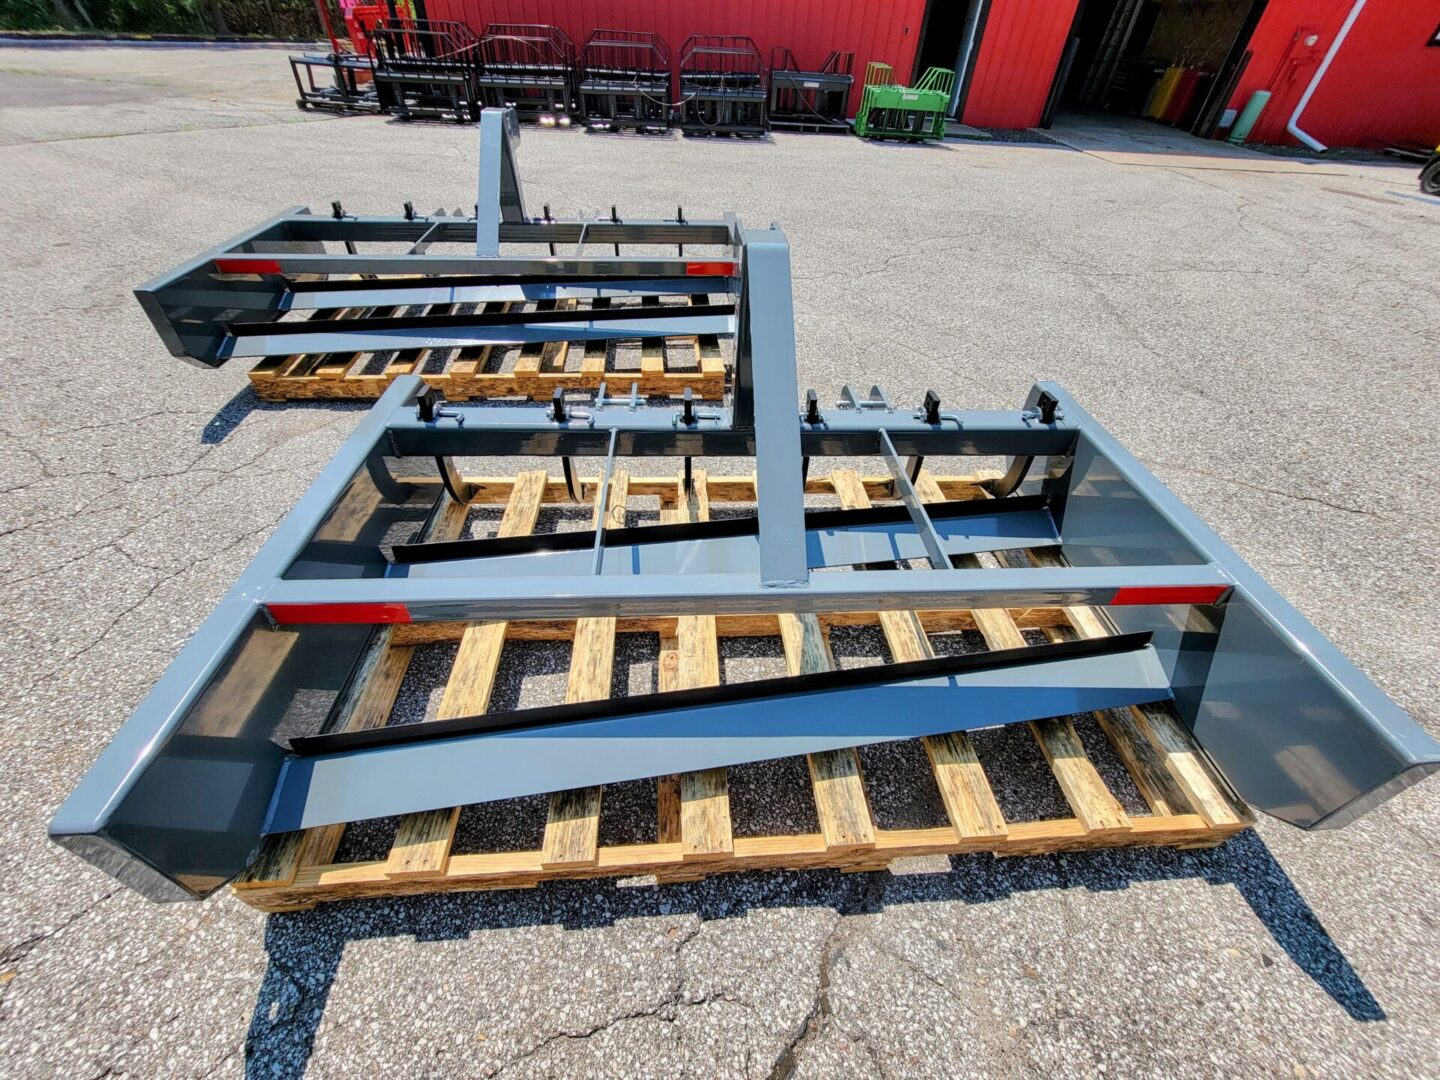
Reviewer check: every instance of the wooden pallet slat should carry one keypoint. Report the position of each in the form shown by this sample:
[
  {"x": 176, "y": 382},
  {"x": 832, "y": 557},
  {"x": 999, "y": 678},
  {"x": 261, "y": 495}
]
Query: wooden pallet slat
[
  {"x": 966, "y": 793},
  {"x": 1152, "y": 743},
  {"x": 1095, "y": 806},
  {"x": 572, "y": 823},
  {"x": 421, "y": 847},
  {"x": 539, "y": 369},
  {"x": 1190, "y": 806},
  {"x": 836, "y": 779},
  {"x": 705, "y": 828}
]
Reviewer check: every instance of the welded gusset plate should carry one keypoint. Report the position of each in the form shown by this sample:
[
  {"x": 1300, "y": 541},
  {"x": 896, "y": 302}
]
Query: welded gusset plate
[{"x": 631, "y": 739}]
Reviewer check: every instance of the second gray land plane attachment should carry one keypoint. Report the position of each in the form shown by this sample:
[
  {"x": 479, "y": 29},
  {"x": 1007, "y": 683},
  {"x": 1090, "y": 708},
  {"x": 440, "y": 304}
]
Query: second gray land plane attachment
[{"x": 236, "y": 740}]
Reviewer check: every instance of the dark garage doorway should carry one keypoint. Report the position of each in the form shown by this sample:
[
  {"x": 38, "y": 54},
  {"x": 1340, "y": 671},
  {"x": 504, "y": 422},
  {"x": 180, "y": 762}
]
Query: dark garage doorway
[
  {"x": 951, "y": 39},
  {"x": 1171, "y": 61}
]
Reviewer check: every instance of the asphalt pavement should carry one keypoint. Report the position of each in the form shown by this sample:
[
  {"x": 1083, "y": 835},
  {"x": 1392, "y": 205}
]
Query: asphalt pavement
[{"x": 1262, "y": 334}]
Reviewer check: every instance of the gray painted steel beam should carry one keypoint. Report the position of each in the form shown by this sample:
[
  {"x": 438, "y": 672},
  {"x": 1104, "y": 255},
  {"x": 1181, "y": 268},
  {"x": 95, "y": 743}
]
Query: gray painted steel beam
[
  {"x": 405, "y": 293},
  {"x": 468, "y": 599},
  {"x": 935, "y": 548},
  {"x": 741, "y": 554},
  {"x": 298, "y": 337},
  {"x": 87, "y": 821},
  {"x": 499, "y": 197},
  {"x": 779, "y": 486},
  {"x": 461, "y": 230},
  {"x": 654, "y": 431},
  {"x": 291, "y": 264},
  {"x": 406, "y": 778}
]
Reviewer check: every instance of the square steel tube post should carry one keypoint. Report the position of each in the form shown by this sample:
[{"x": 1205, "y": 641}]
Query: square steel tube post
[
  {"x": 499, "y": 197},
  {"x": 768, "y": 328}
]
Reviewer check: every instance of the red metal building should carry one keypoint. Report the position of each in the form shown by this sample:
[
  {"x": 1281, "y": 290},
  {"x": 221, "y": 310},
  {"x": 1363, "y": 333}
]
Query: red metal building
[
  {"x": 1020, "y": 50},
  {"x": 885, "y": 31},
  {"x": 1021, "y": 61},
  {"x": 1382, "y": 85}
]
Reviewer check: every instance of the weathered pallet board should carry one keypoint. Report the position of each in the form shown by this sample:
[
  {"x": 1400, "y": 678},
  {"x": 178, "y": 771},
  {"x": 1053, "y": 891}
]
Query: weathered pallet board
[
  {"x": 1189, "y": 805},
  {"x": 667, "y": 368}
]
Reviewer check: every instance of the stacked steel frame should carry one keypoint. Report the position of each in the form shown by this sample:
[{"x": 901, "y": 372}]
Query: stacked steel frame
[
  {"x": 625, "y": 80},
  {"x": 351, "y": 87},
  {"x": 348, "y": 64},
  {"x": 231, "y": 746},
  {"x": 427, "y": 68},
  {"x": 810, "y": 100},
  {"x": 722, "y": 86},
  {"x": 890, "y": 111},
  {"x": 529, "y": 67}
]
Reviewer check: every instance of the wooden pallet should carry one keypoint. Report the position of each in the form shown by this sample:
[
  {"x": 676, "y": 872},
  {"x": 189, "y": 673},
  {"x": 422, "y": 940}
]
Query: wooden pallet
[
  {"x": 464, "y": 374},
  {"x": 1189, "y": 805}
]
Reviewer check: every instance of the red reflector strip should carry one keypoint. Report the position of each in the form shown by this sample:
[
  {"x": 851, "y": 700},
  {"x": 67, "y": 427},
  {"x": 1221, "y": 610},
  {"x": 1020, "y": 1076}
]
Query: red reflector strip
[
  {"x": 247, "y": 266},
  {"x": 710, "y": 269},
  {"x": 304, "y": 614},
  {"x": 1173, "y": 594}
]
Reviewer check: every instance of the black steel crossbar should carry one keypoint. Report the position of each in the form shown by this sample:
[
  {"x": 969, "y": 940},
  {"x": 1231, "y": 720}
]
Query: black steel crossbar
[
  {"x": 671, "y": 700},
  {"x": 720, "y": 528},
  {"x": 492, "y": 318},
  {"x": 466, "y": 281}
]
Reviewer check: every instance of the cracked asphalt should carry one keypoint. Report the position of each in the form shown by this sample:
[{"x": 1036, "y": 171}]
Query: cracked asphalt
[{"x": 1265, "y": 341}]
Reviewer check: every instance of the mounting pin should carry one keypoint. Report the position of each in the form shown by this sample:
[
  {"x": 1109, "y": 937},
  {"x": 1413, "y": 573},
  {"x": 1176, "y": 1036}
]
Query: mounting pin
[
  {"x": 409, "y": 211},
  {"x": 425, "y": 404},
  {"x": 336, "y": 210},
  {"x": 812, "y": 407},
  {"x": 687, "y": 409},
  {"x": 557, "y": 407},
  {"x": 1047, "y": 404},
  {"x": 932, "y": 407}
]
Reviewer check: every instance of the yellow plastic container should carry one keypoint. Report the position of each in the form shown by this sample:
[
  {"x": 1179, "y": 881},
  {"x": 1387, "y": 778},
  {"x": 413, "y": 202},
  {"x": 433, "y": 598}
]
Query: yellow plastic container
[{"x": 1166, "y": 90}]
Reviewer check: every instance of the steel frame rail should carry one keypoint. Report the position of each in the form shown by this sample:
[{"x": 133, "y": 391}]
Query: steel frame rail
[
  {"x": 205, "y": 766},
  {"x": 242, "y": 298},
  {"x": 625, "y": 81},
  {"x": 814, "y": 99}
]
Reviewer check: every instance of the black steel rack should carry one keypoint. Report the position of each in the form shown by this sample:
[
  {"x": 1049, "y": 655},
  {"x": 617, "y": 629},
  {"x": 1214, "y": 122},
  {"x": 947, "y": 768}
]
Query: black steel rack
[
  {"x": 529, "y": 67},
  {"x": 351, "y": 88},
  {"x": 813, "y": 99},
  {"x": 427, "y": 68},
  {"x": 722, "y": 86},
  {"x": 625, "y": 80}
]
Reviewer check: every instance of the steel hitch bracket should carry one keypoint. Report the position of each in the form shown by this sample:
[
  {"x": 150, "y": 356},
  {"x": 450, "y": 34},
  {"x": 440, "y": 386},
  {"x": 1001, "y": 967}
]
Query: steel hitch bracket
[{"x": 238, "y": 738}]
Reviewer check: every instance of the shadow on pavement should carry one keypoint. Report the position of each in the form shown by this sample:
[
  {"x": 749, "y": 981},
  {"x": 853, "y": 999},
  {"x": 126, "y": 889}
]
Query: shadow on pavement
[
  {"x": 305, "y": 948},
  {"x": 218, "y": 428}
]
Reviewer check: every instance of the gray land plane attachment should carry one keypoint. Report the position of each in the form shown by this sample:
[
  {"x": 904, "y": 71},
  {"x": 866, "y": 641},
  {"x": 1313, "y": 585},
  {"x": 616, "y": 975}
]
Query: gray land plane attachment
[{"x": 236, "y": 740}]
